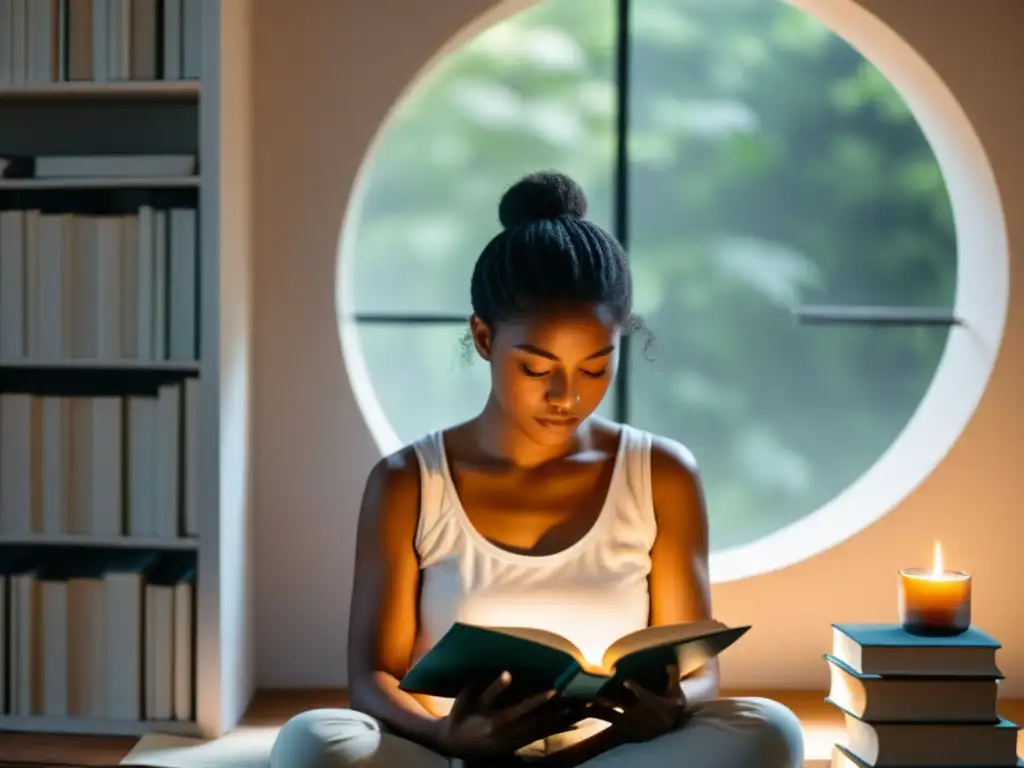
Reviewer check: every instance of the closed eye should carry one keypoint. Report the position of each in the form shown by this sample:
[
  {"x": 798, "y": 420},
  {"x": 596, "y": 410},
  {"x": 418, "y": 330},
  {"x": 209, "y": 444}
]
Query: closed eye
[
  {"x": 532, "y": 373},
  {"x": 595, "y": 374}
]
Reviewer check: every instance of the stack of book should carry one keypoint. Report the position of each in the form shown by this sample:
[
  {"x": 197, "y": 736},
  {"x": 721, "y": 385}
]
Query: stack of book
[{"x": 911, "y": 701}]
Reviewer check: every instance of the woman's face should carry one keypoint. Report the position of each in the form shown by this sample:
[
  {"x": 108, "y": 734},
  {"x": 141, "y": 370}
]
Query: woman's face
[{"x": 550, "y": 371}]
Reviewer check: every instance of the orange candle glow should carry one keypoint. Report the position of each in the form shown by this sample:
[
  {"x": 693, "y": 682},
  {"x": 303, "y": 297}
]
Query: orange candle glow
[{"x": 935, "y": 601}]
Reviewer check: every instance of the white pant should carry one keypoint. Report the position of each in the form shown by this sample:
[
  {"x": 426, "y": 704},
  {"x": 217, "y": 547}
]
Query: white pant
[{"x": 726, "y": 733}]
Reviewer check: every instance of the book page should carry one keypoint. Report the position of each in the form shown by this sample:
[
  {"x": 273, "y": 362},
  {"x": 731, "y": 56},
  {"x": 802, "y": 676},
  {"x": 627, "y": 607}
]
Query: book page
[
  {"x": 543, "y": 637},
  {"x": 654, "y": 637}
]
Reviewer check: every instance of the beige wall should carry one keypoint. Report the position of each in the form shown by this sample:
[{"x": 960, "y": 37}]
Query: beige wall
[{"x": 326, "y": 74}]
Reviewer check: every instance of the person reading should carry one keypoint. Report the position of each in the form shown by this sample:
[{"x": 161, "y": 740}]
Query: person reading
[{"x": 536, "y": 514}]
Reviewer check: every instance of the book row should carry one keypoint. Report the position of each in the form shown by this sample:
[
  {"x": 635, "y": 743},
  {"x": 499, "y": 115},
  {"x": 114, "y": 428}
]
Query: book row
[
  {"x": 98, "y": 637},
  {"x": 48, "y": 41},
  {"x": 104, "y": 466},
  {"x": 98, "y": 288},
  {"x": 908, "y": 700}
]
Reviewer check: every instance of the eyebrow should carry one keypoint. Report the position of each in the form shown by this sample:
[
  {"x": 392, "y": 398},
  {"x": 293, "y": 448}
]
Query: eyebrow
[{"x": 544, "y": 353}]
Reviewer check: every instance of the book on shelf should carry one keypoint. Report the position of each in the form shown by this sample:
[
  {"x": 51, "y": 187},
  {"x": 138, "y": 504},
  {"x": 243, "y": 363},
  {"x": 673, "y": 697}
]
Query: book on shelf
[
  {"x": 105, "y": 466},
  {"x": 537, "y": 659},
  {"x": 105, "y": 166},
  {"x": 50, "y": 41},
  {"x": 98, "y": 635},
  {"x": 909, "y": 700},
  {"x": 99, "y": 288}
]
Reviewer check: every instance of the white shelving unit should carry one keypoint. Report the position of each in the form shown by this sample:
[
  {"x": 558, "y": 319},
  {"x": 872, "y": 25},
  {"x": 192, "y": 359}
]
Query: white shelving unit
[
  {"x": 101, "y": 183},
  {"x": 185, "y": 366},
  {"x": 122, "y": 90},
  {"x": 222, "y": 651},
  {"x": 107, "y": 542}
]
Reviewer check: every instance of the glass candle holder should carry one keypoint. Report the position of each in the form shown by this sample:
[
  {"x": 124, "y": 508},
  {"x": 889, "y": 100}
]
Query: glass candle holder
[{"x": 934, "y": 602}]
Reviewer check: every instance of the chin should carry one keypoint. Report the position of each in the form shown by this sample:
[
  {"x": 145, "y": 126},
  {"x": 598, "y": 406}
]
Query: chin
[{"x": 545, "y": 435}]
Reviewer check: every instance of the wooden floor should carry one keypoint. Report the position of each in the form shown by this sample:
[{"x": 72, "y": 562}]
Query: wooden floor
[{"x": 270, "y": 708}]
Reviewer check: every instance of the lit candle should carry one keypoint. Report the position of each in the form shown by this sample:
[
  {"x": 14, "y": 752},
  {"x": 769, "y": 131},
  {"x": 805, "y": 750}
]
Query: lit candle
[{"x": 936, "y": 601}]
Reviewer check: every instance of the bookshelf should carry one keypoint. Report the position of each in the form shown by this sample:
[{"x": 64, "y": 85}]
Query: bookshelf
[{"x": 123, "y": 451}]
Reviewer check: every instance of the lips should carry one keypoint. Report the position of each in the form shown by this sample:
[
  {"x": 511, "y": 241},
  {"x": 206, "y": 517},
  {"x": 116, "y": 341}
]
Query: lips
[{"x": 558, "y": 423}]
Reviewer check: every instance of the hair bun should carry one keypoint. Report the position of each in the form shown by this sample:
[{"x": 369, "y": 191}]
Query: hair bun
[{"x": 539, "y": 196}]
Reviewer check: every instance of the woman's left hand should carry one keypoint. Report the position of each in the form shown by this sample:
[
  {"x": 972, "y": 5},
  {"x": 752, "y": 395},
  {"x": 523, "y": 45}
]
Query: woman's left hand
[{"x": 644, "y": 714}]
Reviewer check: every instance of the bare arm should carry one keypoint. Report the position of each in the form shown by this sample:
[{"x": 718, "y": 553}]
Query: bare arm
[
  {"x": 383, "y": 615},
  {"x": 679, "y": 584}
]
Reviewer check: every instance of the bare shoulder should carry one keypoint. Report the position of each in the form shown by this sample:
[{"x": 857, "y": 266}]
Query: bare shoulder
[
  {"x": 391, "y": 497},
  {"x": 673, "y": 465},
  {"x": 396, "y": 474},
  {"x": 676, "y": 488}
]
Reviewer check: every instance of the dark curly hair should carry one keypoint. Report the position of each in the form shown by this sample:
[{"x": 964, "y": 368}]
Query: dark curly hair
[{"x": 549, "y": 254}]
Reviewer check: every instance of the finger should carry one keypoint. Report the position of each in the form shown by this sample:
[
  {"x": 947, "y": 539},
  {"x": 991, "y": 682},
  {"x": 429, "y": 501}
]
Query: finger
[
  {"x": 486, "y": 699},
  {"x": 673, "y": 677},
  {"x": 537, "y": 726},
  {"x": 463, "y": 703},
  {"x": 649, "y": 700},
  {"x": 521, "y": 709},
  {"x": 607, "y": 710}
]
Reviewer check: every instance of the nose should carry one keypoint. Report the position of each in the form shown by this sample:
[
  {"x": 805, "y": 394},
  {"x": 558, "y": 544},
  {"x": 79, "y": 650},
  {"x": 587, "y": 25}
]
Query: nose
[{"x": 562, "y": 395}]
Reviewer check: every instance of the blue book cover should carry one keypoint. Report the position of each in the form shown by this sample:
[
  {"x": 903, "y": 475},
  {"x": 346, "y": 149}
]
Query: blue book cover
[
  {"x": 893, "y": 635},
  {"x": 938, "y": 676},
  {"x": 1001, "y": 723},
  {"x": 852, "y": 759}
]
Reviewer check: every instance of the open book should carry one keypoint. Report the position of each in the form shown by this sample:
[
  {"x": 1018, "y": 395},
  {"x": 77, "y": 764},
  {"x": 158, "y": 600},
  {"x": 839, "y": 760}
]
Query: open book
[{"x": 538, "y": 660}]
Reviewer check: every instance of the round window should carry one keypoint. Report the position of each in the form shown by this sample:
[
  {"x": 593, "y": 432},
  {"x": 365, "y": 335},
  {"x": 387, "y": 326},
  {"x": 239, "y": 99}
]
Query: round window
[{"x": 790, "y": 233}]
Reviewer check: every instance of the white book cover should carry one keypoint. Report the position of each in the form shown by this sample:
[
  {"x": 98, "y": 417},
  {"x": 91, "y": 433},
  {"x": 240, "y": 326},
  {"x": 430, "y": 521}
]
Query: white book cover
[
  {"x": 168, "y": 496},
  {"x": 5, "y": 668},
  {"x": 79, "y": 40},
  {"x": 19, "y": 42},
  {"x": 26, "y": 648},
  {"x": 87, "y": 693},
  {"x": 6, "y": 47},
  {"x": 160, "y": 285},
  {"x": 125, "y": 621},
  {"x": 52, "y": 259},
  {"x": 113, "y": 166},
  {"x": 42, "y": 44},
  {"x": 118, "y": 39},
  {"x": 20, "y": 438},
  {"x": 12, "y": 280},
  {"x": 145, "y": 29},
  {"x": 55, "y": 643},
  {"x": 184, "y": 659},
  {"x": 81, "y": 465},
  {"x": 85, "y": 273},
  {"x": 107, "y": 301},
  {"x": 56, "y": 472},
  {"x": 106, "y": 510},
  {"x": 143, "y": 291},
  {"x": 124, "y": 640},
  {"x": 172, "y": 28},
  {"x": 141, "y": 455},
  {"x": 159, "y": 652},
  {"x": 30, "y": 241},
  {"x": 101, "y": 41},
  {"x": 182, "y": 258},
  {"x": 190, "y": 502},
  {"x": 191, "y": 39},
  {"x": 129, "y": 288}
]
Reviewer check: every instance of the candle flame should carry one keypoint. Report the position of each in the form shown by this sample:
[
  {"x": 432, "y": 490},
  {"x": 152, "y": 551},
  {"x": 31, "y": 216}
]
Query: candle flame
[{"x": 937, "y": 560}]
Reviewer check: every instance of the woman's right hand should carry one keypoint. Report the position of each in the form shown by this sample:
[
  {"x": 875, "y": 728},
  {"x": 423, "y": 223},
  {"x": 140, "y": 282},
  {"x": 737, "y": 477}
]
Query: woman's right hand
[{"x": 476, "y": 729}]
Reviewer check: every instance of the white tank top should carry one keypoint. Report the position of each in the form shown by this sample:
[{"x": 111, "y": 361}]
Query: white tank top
[{"x": 591, "y": 593}]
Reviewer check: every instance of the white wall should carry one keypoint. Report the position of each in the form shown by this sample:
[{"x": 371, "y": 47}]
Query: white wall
[{"x": 326, "y": 74}]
